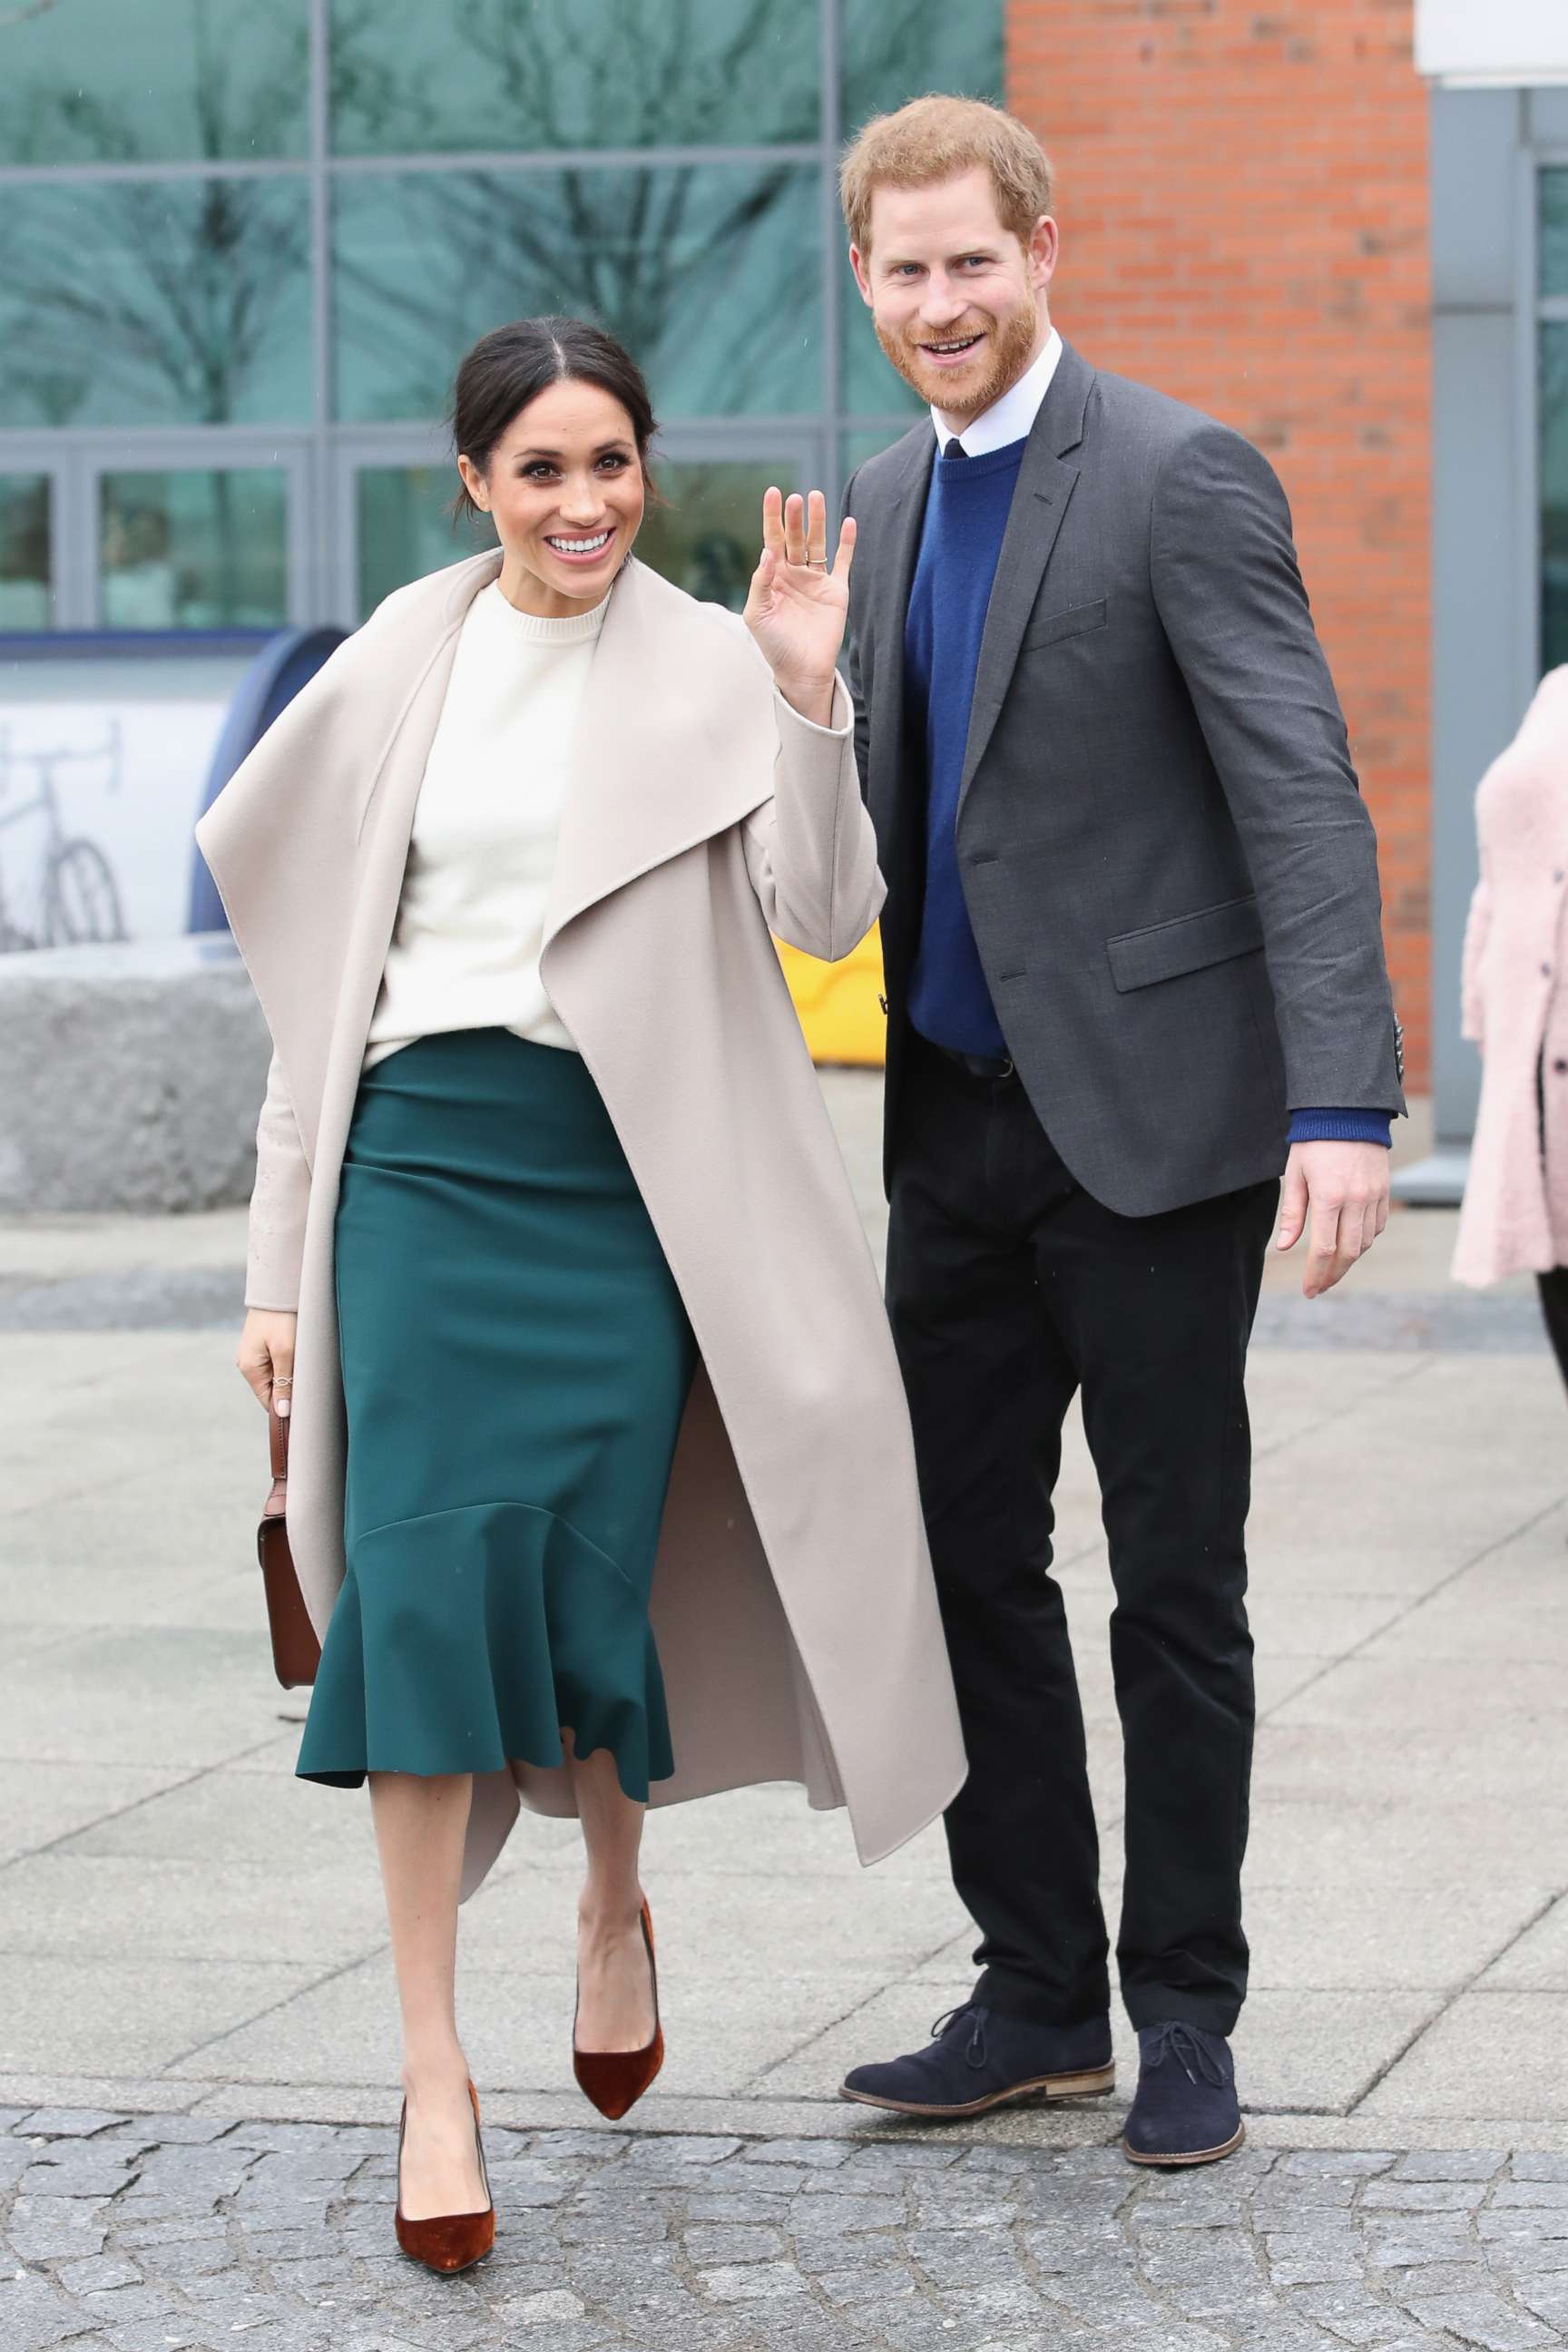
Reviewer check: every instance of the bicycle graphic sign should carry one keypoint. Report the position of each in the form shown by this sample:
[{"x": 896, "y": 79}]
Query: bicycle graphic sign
[{"x": 97, "y": 802}]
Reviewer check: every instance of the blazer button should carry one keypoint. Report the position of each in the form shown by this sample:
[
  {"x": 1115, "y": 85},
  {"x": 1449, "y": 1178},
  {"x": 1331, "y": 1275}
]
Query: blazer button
[
  {"x": 1546, "y": 971},
  {"x": 1561, "y": 1067}
]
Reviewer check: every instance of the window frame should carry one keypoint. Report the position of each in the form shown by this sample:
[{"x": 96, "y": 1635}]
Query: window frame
[{"x": 322, "y": 453}]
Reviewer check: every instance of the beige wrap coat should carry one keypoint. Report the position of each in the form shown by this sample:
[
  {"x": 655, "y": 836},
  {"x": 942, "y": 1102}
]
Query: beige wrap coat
[{"x": 792, "y": 1600}]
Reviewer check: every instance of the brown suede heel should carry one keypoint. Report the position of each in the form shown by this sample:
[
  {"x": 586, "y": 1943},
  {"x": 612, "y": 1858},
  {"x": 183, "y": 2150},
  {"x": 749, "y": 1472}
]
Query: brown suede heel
[
  {"x": 615, "y": 2080},
  {"x": 447, "y": 2242}
]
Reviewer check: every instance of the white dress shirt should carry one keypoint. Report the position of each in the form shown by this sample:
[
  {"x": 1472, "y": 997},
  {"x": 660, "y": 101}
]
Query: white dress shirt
[{"x": 1010, "y": 418}]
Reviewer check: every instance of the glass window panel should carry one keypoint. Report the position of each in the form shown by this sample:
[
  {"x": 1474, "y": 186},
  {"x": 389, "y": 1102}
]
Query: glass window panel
[
  {"x": 153, "y": 82},
  {"x": 706, "y": 538},
  {"x": 710, "y": 274},
  {"x": 1553, "y": 494},
  {"x": 1553, "y": 232},
  {"x": 406, "y": 529},
  {"x": 896, "y": 49},
  {"x": 407, "y": 79},
  {"x": 199, "y": 549},
  {"x": 164, "y": 302},
  {"x": 27, "y": 598}
]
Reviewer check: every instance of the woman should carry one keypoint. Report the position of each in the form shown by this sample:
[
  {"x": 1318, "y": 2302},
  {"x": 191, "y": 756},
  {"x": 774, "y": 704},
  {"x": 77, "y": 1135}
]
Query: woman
[
  {"x": 601, "y": 1484},
  {"x": 1515, "y": 1216}
]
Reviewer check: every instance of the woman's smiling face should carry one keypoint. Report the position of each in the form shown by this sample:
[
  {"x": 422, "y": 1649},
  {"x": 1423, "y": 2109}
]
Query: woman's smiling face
[{"x": 564, "y": 489}]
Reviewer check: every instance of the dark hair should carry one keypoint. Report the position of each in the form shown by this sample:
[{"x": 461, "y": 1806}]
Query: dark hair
[{"x": 512, "y": 365}]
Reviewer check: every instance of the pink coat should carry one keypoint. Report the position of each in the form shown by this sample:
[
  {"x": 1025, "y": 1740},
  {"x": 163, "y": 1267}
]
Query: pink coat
[{"x": 1515, "y": 1216}]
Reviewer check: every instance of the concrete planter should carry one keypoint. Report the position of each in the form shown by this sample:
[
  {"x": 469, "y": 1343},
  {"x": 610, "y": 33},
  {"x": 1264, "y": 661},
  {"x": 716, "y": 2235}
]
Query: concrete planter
[{"x": 131, "y": 1077}]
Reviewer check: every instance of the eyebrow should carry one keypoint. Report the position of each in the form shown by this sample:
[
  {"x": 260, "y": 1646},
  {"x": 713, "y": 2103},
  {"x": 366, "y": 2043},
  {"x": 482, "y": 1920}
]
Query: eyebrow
[
  {"x": 620, "y": 442},
  {"x": 986, "y": 247}
]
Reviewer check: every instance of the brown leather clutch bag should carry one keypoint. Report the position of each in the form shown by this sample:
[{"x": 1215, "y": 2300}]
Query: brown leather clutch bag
[{"x": 295, "y": 1652}]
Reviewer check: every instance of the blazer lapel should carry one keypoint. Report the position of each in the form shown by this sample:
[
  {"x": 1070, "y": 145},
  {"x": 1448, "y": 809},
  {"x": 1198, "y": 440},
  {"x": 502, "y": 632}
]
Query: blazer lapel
[{"x": 1045, "y": 486}]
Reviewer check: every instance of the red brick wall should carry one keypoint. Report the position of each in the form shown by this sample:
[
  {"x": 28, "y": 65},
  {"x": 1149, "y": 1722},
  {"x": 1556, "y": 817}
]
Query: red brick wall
[{"x": 1243, "y": 195}]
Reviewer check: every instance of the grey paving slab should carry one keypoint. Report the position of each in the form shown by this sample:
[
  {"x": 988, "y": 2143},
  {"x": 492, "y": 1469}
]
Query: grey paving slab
[
  {"x": 1538, "y": 1960},
  {"x": 126, "y": 2016},
  {"x": 188, "y": 1909},
  {"x": 1329, "y": 1931},
  {"x": 1290, "y": 1621},
  {"x": 1380, "y": 1690},
  {"x": 40, "y": 1802},
  {"x": 1490, "y": 2051},
  {"x": 705, "y": 1918},
  {"x": 152, "y": 1696},
  {"x": 517, "y": 2028},
  {"x": 269, "y": 1821},
  {"x": 59, "y": 1574},
  {"x": 1517, "y": 1763},
  {"x": 1391, "y": 1846}
]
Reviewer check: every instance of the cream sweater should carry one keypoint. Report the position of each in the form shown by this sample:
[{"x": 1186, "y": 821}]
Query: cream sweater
[{"x": 470, "y": 922}]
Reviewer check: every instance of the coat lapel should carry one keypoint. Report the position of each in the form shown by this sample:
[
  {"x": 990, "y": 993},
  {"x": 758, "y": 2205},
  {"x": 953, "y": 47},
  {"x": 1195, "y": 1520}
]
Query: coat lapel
[
  {"x": 1045, "y": 486},
  {"x": 310, "y": 838},
  {"x": 675, "y": 743}
]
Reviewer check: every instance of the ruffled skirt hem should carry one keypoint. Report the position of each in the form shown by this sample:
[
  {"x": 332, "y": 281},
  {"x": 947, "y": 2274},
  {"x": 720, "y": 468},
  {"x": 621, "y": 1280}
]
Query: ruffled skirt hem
[{"x": 470, "y": 1638}]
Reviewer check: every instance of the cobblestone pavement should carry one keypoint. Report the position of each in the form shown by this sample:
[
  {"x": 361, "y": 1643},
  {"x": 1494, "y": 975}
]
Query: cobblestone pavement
[{"x": 147, "y": 2232}]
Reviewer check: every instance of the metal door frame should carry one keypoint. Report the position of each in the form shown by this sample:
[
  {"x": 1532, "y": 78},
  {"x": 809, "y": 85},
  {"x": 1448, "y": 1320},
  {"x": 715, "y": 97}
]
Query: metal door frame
[{"x": 77, "y": 460}]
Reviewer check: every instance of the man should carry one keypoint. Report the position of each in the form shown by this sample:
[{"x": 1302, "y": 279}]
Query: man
[{"x": 1133, "y": 959}]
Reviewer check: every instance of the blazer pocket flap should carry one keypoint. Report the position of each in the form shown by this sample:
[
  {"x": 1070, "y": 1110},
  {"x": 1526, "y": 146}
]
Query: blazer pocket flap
[
  {"x": 1186, "y": 943},
  {"x": 1052, "y": 627}
]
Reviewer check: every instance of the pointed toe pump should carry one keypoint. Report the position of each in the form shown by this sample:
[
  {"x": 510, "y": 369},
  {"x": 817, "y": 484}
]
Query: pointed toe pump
[
  {"x": 447, "y": 2242},
  {"x": 615, "y": 2080}
]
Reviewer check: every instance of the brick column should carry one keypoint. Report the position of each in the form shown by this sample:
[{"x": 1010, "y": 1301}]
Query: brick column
[{"x": 1242, "y": 194}]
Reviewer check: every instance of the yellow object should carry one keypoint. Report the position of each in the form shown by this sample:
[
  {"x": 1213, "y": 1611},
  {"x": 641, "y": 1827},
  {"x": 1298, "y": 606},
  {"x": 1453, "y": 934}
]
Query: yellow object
[{"x": 840, "y": 1004}]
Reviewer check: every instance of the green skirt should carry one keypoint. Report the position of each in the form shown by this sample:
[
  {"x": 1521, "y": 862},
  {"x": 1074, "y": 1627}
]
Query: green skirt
[{"x": 515, "y": 1363}]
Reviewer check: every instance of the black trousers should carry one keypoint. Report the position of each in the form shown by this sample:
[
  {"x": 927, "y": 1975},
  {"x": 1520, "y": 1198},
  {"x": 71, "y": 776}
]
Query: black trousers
[
  {"x": 1009, "y": 1290},
  {"x": 1554, "y": 1307}
]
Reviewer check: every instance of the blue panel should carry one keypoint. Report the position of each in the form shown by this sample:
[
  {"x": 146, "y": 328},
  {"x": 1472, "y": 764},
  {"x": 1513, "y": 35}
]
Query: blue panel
[{"x": 286, "y": 663}]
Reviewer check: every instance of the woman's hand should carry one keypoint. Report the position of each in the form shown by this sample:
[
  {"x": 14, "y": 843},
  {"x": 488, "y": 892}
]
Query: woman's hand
[
  {"x": 797, "y": 607},
  {"x": 266, "y": 1355}
]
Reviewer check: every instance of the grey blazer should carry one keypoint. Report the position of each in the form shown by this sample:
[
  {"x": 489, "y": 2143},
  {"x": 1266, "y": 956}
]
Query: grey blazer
[{"x": 1167, "y": 862}]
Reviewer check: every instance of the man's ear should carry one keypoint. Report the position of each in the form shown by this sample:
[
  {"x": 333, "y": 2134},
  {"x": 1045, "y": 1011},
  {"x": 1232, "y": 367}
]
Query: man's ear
[
  {"x": 857, "y": 264},
  {"x": 1044, "y": 251}
]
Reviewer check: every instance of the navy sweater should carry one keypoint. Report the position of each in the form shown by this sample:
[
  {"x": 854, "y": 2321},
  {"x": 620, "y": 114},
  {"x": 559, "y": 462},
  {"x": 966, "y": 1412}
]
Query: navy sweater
[
  {"x": 966, "y": 517},
  {"x": 966, "y": 514}
]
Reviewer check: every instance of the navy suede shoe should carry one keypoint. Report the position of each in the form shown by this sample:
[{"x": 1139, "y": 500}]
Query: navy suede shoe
[
  {"x": 1186, "y": 2110},
  {"x": 980, "y": 2058}
]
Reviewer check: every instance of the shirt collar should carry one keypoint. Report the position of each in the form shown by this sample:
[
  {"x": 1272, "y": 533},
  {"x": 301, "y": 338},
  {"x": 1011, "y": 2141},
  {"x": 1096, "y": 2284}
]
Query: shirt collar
[{"x": 1010, "y": 418}]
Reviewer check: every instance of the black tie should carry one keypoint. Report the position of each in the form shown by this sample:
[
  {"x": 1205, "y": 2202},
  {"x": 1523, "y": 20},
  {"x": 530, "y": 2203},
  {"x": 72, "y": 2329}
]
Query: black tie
[{"x": 955, "y": 448}]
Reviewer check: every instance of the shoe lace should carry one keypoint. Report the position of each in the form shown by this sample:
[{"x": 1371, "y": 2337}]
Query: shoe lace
[
  {"x": 1183, "y": 2042},
  {"x": 974, "y": 2049}
]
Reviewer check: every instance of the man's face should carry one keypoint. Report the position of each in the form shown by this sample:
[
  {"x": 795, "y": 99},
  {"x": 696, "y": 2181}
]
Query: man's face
[{"x": 959, "y": 303}]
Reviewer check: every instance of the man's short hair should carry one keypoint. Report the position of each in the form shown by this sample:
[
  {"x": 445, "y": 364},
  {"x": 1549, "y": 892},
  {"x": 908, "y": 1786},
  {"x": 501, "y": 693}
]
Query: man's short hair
[{"x": 935, "y": 138}]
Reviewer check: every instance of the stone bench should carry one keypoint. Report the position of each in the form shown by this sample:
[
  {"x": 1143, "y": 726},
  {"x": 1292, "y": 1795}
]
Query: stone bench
[{"x": 131, "y": 1077}]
